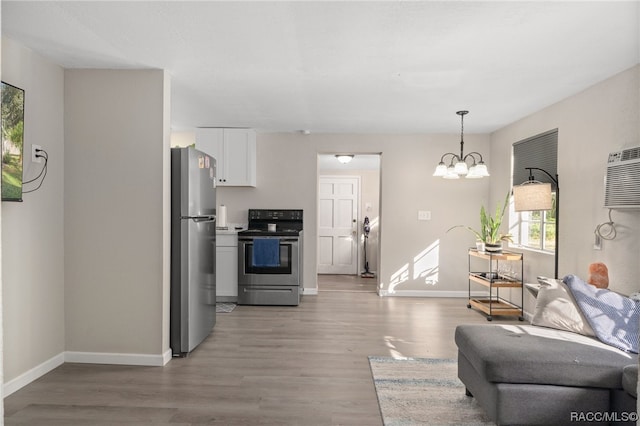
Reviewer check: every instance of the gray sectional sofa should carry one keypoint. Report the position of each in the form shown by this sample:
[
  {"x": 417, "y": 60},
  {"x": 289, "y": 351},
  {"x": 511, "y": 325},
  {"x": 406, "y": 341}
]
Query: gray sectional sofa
[
  {"x": 576, "y": 364},
  {"x": 529, "y": 375}
]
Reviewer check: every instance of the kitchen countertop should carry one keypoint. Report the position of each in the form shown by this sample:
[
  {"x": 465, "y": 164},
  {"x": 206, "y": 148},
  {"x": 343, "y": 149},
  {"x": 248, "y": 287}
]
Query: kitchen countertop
[{"x": 232, "y": 229}]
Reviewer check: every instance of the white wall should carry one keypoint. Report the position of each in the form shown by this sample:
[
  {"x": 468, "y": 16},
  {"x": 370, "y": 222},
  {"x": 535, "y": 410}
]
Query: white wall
[
  {"x": 33, "y": 231},
  {"x": 411, "y": 251},
  {"x": 116, "y": 201},
  {"x": 599, "y": 120},
  {"x": 591, "y": 124},
  {"x": 95, "y": 238}
]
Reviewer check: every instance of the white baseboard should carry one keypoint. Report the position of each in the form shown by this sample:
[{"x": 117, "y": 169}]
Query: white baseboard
[
  {"x": 118, "y": 359},
  {"x": 457, "y": 294},
  {"x": 167, "y": 356},
  {"x": 84, "y": 358},
  {"x": 35, "y": 373},
  {"x": 412, "y": 293},
  {"x": 430, "y": 293}
]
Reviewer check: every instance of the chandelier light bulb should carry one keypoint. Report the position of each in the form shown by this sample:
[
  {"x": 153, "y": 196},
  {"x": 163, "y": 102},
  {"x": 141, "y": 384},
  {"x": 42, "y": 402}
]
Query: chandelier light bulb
[
  {"x": 451, "y": 173},
  {"x": 461, "y": 168},
  {"x": 481, "y": 170},
  {"x": 473, "y": 173},
  {"x": 441, "y": 170}
]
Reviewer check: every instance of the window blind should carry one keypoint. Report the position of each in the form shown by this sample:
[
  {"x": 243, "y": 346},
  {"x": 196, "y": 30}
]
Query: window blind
[{"x": 539, "y": 151}]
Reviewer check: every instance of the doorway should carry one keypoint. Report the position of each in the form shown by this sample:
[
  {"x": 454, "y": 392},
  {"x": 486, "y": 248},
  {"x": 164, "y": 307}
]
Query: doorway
[
  {"x": 348, "y": 195},
  {"x": 338, "y": 202}
]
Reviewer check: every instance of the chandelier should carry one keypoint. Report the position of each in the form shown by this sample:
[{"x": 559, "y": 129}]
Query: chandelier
[{"x": 458, "y": 163}]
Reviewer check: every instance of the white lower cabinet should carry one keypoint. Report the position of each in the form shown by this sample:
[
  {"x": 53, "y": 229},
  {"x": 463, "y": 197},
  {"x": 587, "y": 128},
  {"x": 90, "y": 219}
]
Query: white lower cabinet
[{"x": 227, "y": 267}]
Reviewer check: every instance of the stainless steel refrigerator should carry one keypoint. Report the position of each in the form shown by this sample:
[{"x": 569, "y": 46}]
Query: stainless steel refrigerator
[{"x": 193, "y": 248}]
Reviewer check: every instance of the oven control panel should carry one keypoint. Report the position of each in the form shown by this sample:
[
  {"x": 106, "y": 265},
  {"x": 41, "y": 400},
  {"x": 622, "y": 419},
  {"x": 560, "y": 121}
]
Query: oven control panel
[{"x": 275, "y": 215}]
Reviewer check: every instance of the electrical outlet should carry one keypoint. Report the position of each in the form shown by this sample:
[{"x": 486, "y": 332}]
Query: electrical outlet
[
  {"x": 424, "y": 215},
  {"x": 35, "y": 159},
  {"x": 597, "y": 243}
]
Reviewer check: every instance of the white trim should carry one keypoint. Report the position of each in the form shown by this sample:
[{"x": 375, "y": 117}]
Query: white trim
[
  {"x": 118, "y": 359},
  {"x": 531, "y": 249},
  {"x": 310, "y": 291},
  {"x": 35, "y": 373},
  {"x": 85, "y": 358},
  {"x": 166, "y": 357},
  {"x": 528, "y": 316},
  {"x": 431, "y": 293}
]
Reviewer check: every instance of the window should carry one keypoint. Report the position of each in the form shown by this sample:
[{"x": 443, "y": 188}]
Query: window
[{"x": 535, "y": 229}]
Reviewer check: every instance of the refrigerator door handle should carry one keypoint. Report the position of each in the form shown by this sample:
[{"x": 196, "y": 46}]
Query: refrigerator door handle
[{"x": 200, "y": 218}]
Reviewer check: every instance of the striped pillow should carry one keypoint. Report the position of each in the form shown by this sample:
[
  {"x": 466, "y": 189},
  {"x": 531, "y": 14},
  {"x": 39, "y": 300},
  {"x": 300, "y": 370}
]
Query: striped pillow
[{"x": 615, "y": 319}]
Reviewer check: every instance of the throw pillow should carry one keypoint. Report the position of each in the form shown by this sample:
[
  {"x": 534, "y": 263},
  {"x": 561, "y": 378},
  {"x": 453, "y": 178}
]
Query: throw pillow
[
  {"x": 556, "y": 308},
  {"x": 615, "y": 319}
]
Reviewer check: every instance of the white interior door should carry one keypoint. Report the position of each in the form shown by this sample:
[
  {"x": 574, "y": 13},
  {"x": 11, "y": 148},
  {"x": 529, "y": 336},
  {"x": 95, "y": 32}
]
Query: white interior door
[{"x": 337, "y": 224}]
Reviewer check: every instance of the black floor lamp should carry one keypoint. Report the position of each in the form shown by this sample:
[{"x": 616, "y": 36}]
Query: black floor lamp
[{"x": 533, "y": 195}]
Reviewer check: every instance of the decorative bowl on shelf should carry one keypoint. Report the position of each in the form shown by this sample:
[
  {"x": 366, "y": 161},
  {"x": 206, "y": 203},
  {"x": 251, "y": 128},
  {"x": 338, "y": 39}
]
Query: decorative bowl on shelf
[{"x": 493, "y": 247}]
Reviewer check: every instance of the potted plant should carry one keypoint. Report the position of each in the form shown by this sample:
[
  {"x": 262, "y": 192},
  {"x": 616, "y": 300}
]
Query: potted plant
[{"x": 489, "y": 233}]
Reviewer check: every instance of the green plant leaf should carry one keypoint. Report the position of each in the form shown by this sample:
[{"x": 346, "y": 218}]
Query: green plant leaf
[{"x": 490, "y": 225}]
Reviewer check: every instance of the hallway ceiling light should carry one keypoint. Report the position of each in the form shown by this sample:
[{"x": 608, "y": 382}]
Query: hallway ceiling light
[
  {"x": 344, "y": 158},
  {"x": 458, "y": 165}
]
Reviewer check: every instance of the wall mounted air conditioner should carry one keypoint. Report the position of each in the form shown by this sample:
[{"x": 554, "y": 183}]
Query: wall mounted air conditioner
[{"x": 622, "y": 182}]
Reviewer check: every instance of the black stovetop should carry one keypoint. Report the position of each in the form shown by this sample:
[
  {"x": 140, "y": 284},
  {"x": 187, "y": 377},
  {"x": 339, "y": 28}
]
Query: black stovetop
[{"x": 288, "y": 223}]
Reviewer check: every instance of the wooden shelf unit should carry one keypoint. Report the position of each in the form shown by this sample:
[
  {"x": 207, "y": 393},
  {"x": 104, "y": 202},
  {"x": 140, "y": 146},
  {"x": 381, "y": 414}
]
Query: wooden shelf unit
[{"x": 494, "y": 281}]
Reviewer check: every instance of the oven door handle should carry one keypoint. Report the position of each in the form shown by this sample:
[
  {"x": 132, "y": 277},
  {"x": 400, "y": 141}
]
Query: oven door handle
[{"x": 282, "y": 240}]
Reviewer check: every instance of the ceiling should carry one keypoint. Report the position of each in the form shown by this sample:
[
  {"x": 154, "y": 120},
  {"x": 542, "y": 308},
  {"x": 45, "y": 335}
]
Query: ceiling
[{"x": 343, "y": 67}]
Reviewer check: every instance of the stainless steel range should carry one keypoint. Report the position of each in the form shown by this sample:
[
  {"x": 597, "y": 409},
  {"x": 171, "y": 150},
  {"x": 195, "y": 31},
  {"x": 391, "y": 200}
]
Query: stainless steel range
[{"x": 270, "y": 258}]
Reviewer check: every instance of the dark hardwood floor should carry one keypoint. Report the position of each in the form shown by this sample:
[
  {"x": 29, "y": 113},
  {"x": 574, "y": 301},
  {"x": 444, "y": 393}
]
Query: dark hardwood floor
[{"x": 304, "y": 365}]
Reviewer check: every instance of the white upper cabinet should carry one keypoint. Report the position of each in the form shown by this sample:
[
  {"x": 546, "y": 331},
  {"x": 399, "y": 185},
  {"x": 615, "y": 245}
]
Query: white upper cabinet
[{"x": 234, "y": 151}]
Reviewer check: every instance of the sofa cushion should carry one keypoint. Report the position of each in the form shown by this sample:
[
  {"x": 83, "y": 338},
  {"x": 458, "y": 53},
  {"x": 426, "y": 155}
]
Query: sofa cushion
[
  {"x": 630, "y": 379},
  {"x": 538, "y": 355}
]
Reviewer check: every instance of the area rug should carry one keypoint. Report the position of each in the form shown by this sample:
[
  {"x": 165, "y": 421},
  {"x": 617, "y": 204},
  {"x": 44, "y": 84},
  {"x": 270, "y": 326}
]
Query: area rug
[
  {"x": 225, "y": 307},
  {"x": 423, "y": 391}
]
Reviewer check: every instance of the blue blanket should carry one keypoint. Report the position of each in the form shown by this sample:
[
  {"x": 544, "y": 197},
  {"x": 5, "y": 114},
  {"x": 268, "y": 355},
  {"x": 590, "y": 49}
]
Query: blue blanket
[
  {"x": 615, "y": 319},
  {"x": 266, "y": 252}
]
